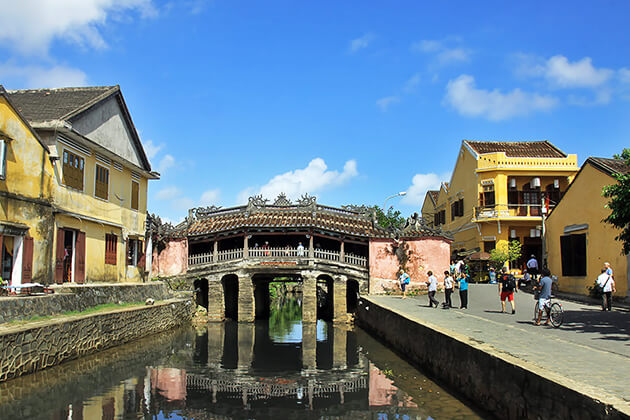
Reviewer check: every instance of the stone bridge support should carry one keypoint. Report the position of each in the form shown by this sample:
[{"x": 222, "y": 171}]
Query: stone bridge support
[
  {"x": 216, "y": 299},
  {"x": 309, "y": 346},
  {"x": 246, "y": 333},
  {"x": 340, "y": 312},
  {"x": 309, "y": 298},
  {"x": 245, "y": 298}
]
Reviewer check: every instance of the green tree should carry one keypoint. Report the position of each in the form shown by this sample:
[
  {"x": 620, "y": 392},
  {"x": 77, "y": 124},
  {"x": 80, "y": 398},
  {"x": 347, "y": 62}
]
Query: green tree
[
  {"x": 618, "y": 198},
  {"x": 390, "y": 219},
  {"x": 511, "y": 252}
]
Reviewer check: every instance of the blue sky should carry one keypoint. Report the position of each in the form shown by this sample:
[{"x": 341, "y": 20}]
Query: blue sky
[{"x": 351, "y": 101}]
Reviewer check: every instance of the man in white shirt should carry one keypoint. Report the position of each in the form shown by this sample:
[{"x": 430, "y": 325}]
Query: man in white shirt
[
  {"x": 432, "y": 283},
  {"x": 300, "y": 250},
  {"x": 532, "y": 266},
  {"x": 607, "y": 283}
]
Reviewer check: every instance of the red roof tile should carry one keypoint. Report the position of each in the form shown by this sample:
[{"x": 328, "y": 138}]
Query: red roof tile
[{"x": 534, "y": 149}]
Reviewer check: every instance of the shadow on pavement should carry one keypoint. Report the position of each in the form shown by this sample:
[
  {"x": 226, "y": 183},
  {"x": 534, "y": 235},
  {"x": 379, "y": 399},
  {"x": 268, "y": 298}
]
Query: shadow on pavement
[{"x": 609, "y": 325}]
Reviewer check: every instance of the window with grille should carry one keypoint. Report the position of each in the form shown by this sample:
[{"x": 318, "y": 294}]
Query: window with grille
[
  {"x": 135, "y": 191},
  {"x": 573, "y": 255},
  {"x": 101, "y": 186},
  {"x": 73, "y": 170},
  {"x": 111, "y": 242}
]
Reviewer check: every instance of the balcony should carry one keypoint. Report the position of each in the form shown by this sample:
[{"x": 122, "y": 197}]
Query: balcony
[
  {"x": 508, "y": 210},
  {"x": 275, "y": 254}
]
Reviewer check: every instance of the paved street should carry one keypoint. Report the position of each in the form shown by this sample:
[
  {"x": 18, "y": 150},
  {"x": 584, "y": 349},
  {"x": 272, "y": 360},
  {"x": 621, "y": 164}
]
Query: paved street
[{"x": 592, "y": 347}]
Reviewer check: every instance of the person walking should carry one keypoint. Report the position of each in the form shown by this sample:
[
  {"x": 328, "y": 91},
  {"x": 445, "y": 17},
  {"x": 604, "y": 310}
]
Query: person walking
[
  {"x": 448, "y": 290},
  {"x": 608, "y": 268},
  {"x": 432, "y": 283},
  {"x": 607, "y": 284},
  {"x": 403, "y": 279},
  {"x": 462, "y": 283},
  {"x": 532, "y": 266},
  {"x": 507, "y": 287},
  {"x": 544, "y": 297}
]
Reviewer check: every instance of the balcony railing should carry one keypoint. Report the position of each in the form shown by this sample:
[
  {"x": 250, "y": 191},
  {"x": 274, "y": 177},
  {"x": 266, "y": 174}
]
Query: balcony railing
[
  {"x": 275, "y": 253},
  {"x": 508, "y": 210}
]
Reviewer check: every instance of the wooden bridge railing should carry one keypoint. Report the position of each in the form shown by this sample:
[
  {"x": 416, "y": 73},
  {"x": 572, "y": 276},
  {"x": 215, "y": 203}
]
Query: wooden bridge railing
[{"x": 275, "y": 253}]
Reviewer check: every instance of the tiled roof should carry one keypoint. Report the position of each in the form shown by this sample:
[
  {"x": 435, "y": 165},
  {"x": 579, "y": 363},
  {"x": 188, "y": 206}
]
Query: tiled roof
[
  {"x": 610, "y": 166},
  {"x": 293, "y": 217},
  {"x": 534, "y": 149},
  {"x": 434, "y": 195},
  {"x": 39, "y": 105}
]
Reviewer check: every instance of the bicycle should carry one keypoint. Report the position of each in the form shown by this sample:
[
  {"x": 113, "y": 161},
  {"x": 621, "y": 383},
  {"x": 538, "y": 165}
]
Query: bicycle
[{"x": 554, "y": 313}]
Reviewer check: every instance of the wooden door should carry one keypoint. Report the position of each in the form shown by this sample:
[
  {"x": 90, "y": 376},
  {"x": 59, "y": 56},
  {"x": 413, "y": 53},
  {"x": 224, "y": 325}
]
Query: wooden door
[
  {"x": 79, "y": 258},
  {"x": 59, "y": 256},
  {"x": 27, "y": 259}
]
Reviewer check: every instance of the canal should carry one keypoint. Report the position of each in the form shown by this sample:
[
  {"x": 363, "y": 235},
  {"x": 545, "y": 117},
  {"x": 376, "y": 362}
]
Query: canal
[{"x": 275, "y": 369}]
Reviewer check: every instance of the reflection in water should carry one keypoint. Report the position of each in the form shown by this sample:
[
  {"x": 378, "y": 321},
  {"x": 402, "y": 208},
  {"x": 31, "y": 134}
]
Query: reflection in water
[{"x": 234, "y": 371}]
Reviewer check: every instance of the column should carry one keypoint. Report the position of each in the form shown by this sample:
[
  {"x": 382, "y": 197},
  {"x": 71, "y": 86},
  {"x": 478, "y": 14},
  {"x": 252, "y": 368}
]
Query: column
[
  {"x": 340, "y": 310},
  {"x": 216, "y": 300},
  {"x": 246, "y": 246},
  {"x": 245, "y": 298},
  {"x": 309, "y": 346},
  {"x": 245, "y": 346},
  {"x": 342, "y": 252},
  {"x": 339, "y": 347},
  {"x": 309, "y": 298},
  {"x": 311, "y": 248},
  {"x": 215, "y": 252}
]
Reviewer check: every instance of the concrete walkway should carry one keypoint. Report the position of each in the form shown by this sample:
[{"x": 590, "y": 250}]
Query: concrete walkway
[{"x": 591, "y": 348}]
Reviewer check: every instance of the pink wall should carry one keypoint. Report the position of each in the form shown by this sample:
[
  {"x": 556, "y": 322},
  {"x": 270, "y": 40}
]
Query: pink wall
[
  {"x": 424, "y": 254},
  {"x": 382, "y": 391},
  {"x": 172, "y": 260}
]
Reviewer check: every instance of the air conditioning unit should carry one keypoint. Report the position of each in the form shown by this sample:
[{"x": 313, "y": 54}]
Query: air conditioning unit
[
  {"x": 512, "y": 182},
  {"x": 535, "y": 183},
  {"x": 556, "y": 183}
]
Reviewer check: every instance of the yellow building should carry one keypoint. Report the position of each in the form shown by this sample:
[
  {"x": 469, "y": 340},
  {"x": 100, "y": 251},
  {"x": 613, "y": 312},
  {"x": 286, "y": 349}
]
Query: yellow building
[
  {"x": 26, "y": 216},
  {"x": 496, "y": 192},
  {"x": 578, "y": 242},
  {"x": 100, "y": 174}
]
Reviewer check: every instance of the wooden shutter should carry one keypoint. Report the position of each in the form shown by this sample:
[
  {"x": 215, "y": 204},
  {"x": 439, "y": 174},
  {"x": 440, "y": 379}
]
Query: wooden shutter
[
  {"x": 79, "y": 258},
  {"x": 27, "y": 259},
  {"x": 111, "y": 242},
  {"x": 102, "y": 182},
  {"x": 135, "y": 190},
  {"x": 127, "y": 252},
  {"x": 141, "y": 262},
  {"x": 59, "y": 257}
]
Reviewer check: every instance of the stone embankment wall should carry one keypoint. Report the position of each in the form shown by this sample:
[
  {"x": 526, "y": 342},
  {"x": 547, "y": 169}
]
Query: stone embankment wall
[
  {"x": 496, "y": 382},
  {"x": 43, "y": 344},
  {"x": 78, "y": 298}
]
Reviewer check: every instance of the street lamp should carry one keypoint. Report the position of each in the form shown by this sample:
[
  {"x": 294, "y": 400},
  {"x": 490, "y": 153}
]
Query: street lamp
[{"x": 392, "y": 196}]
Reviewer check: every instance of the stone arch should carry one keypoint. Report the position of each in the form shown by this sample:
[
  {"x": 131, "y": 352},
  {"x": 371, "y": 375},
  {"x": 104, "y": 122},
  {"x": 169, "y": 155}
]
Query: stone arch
[
  {"x": 201, "y": 292},
  {"x": 229, "y": 283},
  {"x": 325, "y": 297},
  {"x": 352, "y": 295}
]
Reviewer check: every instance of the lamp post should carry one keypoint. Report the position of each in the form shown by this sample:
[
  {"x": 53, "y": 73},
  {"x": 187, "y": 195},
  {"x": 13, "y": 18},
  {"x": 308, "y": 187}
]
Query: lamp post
[{"x": 392, "y": 196}]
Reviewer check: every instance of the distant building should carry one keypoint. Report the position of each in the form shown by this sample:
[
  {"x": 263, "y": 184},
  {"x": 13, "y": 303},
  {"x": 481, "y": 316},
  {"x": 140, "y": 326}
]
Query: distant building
[
  {"x": 26, "y": 214},
  {"x": 100, "y": 174},
  {"x": 496, "y": 192},
  {"x": 578, "y": 242}
]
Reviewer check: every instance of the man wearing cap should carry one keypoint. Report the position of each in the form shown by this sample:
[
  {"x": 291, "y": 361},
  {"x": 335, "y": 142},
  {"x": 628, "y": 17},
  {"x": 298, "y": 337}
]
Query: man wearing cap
[{"x": 532, "y": 267}]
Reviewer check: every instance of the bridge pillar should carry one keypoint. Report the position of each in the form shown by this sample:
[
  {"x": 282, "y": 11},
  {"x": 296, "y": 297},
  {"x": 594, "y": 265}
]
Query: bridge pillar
[
  {"x": 309, "y": 298},
  {"x": 309, "y": 346},
  {"x": 216, "y": 333},
  {"x": 245, "y": 298},
  {"x": 340, "y": 312},
  {"x": 216, "y": 300},
  {"x": 339, "y": 347},
  {"x": 245, "y": 346}
]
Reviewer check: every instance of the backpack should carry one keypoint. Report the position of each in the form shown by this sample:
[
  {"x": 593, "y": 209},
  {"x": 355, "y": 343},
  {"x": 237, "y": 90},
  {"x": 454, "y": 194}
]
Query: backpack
[
  {"x": 407, "y": 280},
  {"x": 509, "y": 282}
]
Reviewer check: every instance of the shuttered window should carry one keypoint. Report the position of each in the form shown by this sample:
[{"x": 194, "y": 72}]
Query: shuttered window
[
  {"x": 73, "y": 170},
  {"x": 101, "y": 186},
  {"x": 3, "y": 159},
  {"x": 111, "y": 242},
  {"x": 573, "y": 255},
  {"x": 135, "y": 190}
]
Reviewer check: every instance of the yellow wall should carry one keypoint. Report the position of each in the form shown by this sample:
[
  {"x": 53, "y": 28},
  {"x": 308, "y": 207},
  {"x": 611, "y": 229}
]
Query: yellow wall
[
  {"x": 584, "y": 204},
  {"x": 26, "y": 190}
]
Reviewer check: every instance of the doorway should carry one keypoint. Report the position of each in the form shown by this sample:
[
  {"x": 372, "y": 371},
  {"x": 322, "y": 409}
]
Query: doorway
[{"x": 69, "y": 241}]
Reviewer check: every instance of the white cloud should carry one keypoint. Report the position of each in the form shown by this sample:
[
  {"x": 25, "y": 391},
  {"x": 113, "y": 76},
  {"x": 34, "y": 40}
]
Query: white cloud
[
  {"x": 29, "y": 26},
  {"x": 412, "y": 83},
  {"x": 39, "y": 77},
  {"x": 166, "y": 162},
  {"x": 384, "y": 103},
  {"x": 563, "y": 73},
  {"x": 494, "y": 105},
  {"x": 312, "y": 179},
  {"x": 624, "y": 75},
  {"x": 420, "y": 184},
  {"x": 151, "y": 149},
  {"x": 209, "y": 197},
  {"x": 168, "y": 193},
  {"x": 360, "y": 43},
  {"x": 443, "y": 52}
]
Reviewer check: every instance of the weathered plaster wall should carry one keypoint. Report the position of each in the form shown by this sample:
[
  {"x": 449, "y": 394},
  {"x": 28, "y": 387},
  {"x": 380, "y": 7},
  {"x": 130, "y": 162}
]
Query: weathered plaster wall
[
  {"x": 172, "y": 259},
  {"x": 496, "y": 382},
  {"x": 28, "y": 349},
  {"x": 423, "y": 254},
  {"x": 78, "y": 298}
]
